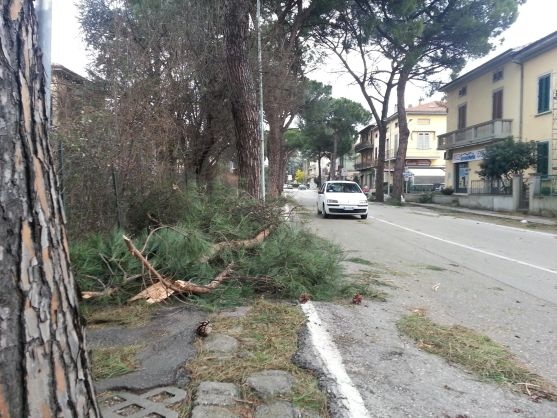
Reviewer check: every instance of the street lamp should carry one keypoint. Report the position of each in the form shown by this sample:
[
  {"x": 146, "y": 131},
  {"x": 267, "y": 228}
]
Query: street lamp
[{"x": 261, "y": 123}]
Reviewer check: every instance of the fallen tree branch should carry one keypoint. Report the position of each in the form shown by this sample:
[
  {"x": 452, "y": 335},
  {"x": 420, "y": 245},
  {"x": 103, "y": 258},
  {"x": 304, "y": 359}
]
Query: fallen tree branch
[
  {"x": 164, "y": 287},
  {"x": 236, "y": 245},
  {"x": 91, "y": 294}
]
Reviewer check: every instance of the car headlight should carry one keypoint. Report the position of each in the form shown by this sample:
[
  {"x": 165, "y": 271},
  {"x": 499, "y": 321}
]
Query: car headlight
[{"x": 332, "y": 201}]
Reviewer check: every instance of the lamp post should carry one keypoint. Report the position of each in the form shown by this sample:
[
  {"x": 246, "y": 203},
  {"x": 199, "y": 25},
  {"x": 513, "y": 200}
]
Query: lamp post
[
  {"x": 261, "y": 122},
  {"x": 44, "y": 16}
]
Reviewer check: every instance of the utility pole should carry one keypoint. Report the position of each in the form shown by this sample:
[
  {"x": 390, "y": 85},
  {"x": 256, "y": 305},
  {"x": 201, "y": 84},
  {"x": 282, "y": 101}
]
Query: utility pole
[
  {"x": 44, "y": 17},
  {"x": 261, "y": 122}
]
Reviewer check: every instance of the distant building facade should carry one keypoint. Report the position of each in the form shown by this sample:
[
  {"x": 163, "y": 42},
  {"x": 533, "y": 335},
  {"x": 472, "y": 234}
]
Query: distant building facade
[
  {"x": 514, "y": 95},
  {"x": 424, "y": 162}
]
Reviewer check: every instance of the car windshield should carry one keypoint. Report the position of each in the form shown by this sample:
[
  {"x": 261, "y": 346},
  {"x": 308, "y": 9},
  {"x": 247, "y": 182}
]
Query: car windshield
[{"x": 343, "y": 188}]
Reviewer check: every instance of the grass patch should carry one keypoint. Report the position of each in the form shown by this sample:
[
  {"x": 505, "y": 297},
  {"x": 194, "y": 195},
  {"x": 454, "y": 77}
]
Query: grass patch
[
  {"x": 268, "y": 338},
  {"x": 435, "y": 268},
  {"x": 359, "y": 260},
  {"x": 114, "y": 361},
  {"x": 476, "y": 353},
  {"x": 133, "y": 315}
]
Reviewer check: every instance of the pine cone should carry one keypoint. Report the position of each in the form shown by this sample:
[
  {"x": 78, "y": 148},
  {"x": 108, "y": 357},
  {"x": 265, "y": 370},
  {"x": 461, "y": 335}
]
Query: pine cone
[
  {"x": 304, "y": 297},
  {"x": 204, "y": 328},
  {"x": 357, "y": 299}
]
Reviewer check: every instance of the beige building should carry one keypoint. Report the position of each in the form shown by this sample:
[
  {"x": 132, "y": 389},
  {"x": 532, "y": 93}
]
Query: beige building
[
  {"x": 424, "y": 162},
  {"x": 511, "y": 95}
]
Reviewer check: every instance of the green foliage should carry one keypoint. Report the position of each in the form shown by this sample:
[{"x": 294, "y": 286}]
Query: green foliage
[
  {"x": 289, "y": 262},
  {"x": 507, "y": 158},
  {"x": 425, "y": 37},
  {"x": 324, "y": 118},
  {"x": 299, "y": 176},
  {"x": 447, "y": 191},
  {"x": 426, "y": 198},
  {"x": 299, "y": 262},
  {"x": 545, "y": 191}
]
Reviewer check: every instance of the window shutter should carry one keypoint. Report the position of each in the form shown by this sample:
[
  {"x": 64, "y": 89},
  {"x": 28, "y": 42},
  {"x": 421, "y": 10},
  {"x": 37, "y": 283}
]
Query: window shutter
[
  {"x": 543, "y": 158},
  {"x": 543, "y": 94}
]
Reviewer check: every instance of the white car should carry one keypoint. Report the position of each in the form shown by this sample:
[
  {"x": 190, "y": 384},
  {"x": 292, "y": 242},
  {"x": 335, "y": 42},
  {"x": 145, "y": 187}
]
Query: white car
[{"x": 338, "y": 197}]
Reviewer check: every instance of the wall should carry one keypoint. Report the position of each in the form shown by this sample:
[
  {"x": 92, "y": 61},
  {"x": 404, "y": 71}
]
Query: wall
[
  {"x": 478, "y": 98},
  {"x": 543, "y": 205},
  {"x": 536, "y": 126}
]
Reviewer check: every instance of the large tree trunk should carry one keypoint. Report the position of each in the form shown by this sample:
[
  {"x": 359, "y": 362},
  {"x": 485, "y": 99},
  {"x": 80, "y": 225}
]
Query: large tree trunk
[
  {"x": 44, "y": 368},
  {"x": 333, "y": 174},
  {"x": 275, "y": 152},
  {"x": 403, "y": 134},
  {"x": 243, "y": 97},
  {"x": 380, "y": 164}
]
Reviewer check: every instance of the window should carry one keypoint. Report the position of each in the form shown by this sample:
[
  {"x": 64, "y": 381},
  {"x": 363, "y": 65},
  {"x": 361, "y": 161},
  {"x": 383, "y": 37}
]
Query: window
[
  {"x": 423, "y": 140},
  {"x": 462, "y": 116},
  {"x": 497, "y": 75},
  {"x": 462, "y": 92},
  {"x": 543, "y": 93},
  {"x": 424, "y": 121},
  {"x": 497, "y": 112},
  {"x": 543, "y": 158}
]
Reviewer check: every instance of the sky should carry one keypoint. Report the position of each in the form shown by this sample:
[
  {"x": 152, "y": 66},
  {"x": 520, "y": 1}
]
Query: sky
[{"x": 536, "y": 19}]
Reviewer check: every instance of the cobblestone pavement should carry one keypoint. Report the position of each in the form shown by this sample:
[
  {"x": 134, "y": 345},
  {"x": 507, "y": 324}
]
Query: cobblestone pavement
[{"x": 211, "y": 399}]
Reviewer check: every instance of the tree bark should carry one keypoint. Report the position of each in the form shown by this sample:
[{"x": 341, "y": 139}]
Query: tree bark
[
  {"x": 275, "y": 152},
  {"x": 333, "y": 174},
  {"x": 380, "y": 163},
  {"x": 403, "y": 134},
  {"x": 44, "y": 367},
  {"x": 243, "y": 97}
]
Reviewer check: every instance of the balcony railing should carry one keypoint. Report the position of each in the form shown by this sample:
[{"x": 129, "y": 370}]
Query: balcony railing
[
  {"x": 362, "y": 146},
  {"x": 364, "y": 165},
  {"x": 477, "y": 134}
]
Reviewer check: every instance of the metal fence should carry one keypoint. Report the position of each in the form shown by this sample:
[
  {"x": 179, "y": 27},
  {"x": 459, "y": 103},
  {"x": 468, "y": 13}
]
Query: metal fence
[
  {"x": 547, "y": 186},
  {"x": 490, "y": 187},
  {"x": 420, "y": 188}
]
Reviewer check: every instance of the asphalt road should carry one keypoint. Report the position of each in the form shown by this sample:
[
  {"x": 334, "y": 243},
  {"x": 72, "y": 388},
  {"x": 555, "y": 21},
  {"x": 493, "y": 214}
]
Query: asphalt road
[{"x": 500, "y": 281}]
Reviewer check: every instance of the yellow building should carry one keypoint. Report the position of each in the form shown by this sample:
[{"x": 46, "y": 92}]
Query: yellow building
[
  {"x": 424, "y": 162},
  {"x": 510, "y": 95}
]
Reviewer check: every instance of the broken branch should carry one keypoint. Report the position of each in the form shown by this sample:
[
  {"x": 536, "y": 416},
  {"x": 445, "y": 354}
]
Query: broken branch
[
  {"x": 164, "y": 288},
  {"x": 247, "y": 243}
]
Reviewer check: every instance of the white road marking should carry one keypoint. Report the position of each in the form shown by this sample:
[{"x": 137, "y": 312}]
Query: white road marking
[
  {"x": 326, "y": 349},
  {"x": 514, "y": 260}
]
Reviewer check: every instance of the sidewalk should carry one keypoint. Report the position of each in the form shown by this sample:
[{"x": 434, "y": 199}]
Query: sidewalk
[{"x": 503, "y": 215}]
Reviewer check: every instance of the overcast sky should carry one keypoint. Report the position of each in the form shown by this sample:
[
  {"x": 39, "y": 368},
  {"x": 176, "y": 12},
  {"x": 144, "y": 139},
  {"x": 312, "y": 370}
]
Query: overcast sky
[{"x": 537, "y": 18}]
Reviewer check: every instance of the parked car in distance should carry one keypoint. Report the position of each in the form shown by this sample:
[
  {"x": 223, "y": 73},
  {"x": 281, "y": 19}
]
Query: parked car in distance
[
  {"x": 287, "y": 186},
  {"x": 302, "y": 187},
  {"x": 345, "y": 198}
]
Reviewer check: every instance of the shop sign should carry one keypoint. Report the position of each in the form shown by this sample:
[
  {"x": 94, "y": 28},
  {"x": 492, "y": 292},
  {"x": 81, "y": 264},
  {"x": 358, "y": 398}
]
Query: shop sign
[{"x": 459, "y": 157}]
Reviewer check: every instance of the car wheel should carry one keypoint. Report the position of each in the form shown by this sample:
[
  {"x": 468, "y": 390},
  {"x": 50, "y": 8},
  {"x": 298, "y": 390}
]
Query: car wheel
[
  {"x": 325, "y": 214},
  {"x": 364, "y": 216}
]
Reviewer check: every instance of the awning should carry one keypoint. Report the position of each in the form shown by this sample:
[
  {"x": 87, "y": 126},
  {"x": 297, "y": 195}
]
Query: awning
[{"x": 427, "y": 172}]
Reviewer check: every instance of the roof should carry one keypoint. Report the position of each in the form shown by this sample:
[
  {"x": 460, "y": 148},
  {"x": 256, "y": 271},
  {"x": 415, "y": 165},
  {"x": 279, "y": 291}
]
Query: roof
[
  {"x": 58, "y": 69},
  {"x": 430, "y": 107},
  {"x": 518, "y": 55},
  {"x": 367, "y": 128},
  {"x": 436, "y": 107}
]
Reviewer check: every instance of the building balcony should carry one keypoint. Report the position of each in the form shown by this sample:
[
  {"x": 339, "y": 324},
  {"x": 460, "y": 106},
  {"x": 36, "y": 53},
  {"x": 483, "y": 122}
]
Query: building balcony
[
  {"x": 363, "y": 146},
  {"x": 366, "y": 165},
  {"x": 477, "y": 134}
]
